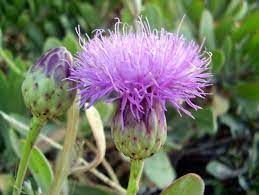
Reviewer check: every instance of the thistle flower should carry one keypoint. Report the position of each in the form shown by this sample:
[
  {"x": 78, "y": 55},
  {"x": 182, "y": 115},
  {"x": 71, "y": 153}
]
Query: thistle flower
[
  {"x": 141, "y": 71},
  {"x": 44, "y": 89}
]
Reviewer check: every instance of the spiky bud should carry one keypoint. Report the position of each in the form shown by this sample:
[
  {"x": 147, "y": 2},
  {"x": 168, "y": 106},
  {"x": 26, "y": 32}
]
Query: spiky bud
[
  {"x": 45, "y": 88},
  {"x": 139, "y": 138}
]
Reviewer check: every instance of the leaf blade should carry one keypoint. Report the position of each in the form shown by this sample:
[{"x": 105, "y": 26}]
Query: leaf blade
[{"x": 188, "y": 184}]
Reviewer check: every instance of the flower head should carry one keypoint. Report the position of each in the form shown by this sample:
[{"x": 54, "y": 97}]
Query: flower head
[
  {"x": 141, "y": 68},
  {"x": 45, "y": 90}
]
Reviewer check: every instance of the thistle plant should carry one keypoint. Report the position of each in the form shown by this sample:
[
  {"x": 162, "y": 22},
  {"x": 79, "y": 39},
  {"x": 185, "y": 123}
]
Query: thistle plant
[
  {"x": 46, "y": 93},
  {"x": 140, "y": 71}
]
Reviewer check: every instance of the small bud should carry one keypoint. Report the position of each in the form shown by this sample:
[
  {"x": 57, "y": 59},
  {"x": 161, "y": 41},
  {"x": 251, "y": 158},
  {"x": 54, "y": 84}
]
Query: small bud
[
  {"x": 139, "y": 139},
  {"x": 45, "y": 90}
]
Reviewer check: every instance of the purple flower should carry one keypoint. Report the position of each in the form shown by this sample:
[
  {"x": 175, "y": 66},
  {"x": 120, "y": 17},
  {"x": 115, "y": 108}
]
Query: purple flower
[
  {"x": 56, "y": 62},
  {"x": 141, "y": 68}
]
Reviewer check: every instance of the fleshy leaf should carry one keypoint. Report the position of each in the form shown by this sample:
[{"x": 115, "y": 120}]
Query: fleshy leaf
[
  {"x": 189, "y": 184},
  {"x": 159, "y": 170}
]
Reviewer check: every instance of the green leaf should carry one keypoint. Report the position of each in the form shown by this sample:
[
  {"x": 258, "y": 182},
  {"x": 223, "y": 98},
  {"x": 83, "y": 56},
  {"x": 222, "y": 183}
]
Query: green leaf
[
  {"x": 196, "y": 11},
  {"x": 126, "y": 15},
  {"x": 242, "y": 11},
  {"x": 88, "y": 12},
  {"x": 133, "y": 6},
  {"x": 9, "y": 61},
  {"x": 249, "y": 25},
  {"x": 38, "y": 164},
  {"x": 51, "y": 43},
  {"x": 248, "y": 109},
  {"x": 181, "y": 129},
  {"x": 227, "y": 48},
  {"x": 206, "y": 29},
  {"x": 154, "y": 15},
  {"x": 187, "y": 30},
  {"x": 71, "y": 43},
  {"x": 189, "y": 184},
  {"x": 50, "y": 28},
  {"x": 237, "y": 9},
  {"x": 223, "y": 29},
  {"x": 23, "y": 20},
  {"x": 219, "y": 170},
  {"x": 205, "y": 121},
  {"x": 218, "y": 60},
  {"x": 216, "y": 6},
  {"x": 159, "y": 169},
  {"x": 35, "y": 35},
  {"x": 252, "y": 44},
  {"x": 248, "y": 91}
]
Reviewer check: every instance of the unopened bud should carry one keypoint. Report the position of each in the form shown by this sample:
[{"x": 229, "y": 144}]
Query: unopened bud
[
  {"x": 139, "y": 138},
  {"x": 45, "y": 88}
]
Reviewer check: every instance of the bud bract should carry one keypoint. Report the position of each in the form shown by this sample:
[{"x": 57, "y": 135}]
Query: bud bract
[
  {"x": 45, "y": 88},
  {"x": 139, "y": 138}
]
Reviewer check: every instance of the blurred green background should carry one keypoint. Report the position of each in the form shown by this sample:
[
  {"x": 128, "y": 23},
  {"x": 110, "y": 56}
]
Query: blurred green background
[{"x": 221, "y": 145}]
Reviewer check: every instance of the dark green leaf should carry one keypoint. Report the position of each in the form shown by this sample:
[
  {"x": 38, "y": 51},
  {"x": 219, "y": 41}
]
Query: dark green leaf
[
  {"x": 9, "y": 61},
  {"x": 195, "y": 10},
  {"x": 249, "y": 25},
  {"x": 218, "y": 60},
  {"x": 216, "y": 6},
  {"x": 249, "y": 91},
  {"x": 227, "y": 48},
  {"x": 205, "y": 121}
]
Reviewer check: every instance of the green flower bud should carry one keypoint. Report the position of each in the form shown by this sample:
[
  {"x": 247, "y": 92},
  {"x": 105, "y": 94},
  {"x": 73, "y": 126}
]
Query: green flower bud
[
  {"x": 139, "y": 138},
  {"x": 45, "y": 88}
]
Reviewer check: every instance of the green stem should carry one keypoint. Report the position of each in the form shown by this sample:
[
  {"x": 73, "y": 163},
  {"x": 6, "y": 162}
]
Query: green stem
[
  {"x": 36, "y": 125},
  {"x": 63, "y": 165},
  {"x": 136, "y": 168}
]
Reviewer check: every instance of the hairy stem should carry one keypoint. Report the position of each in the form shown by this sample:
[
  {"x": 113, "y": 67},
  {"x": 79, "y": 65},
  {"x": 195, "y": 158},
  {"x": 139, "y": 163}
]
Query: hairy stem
[
  {"x": 63, "y": 167},
  {"x": 36, "y": 125},
  {"x": 136, "y": 168}
]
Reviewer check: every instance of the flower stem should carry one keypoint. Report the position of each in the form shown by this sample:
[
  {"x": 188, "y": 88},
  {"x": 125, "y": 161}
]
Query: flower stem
[
  {"x": 136, "y": 168},
  {"x": 64, "y": 163},
  {"x": 36, "y": 125}
]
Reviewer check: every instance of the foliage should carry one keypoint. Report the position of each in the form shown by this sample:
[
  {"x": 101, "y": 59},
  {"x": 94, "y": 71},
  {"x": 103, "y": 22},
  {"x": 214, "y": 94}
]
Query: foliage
[{"x": 221, "y": 145}]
